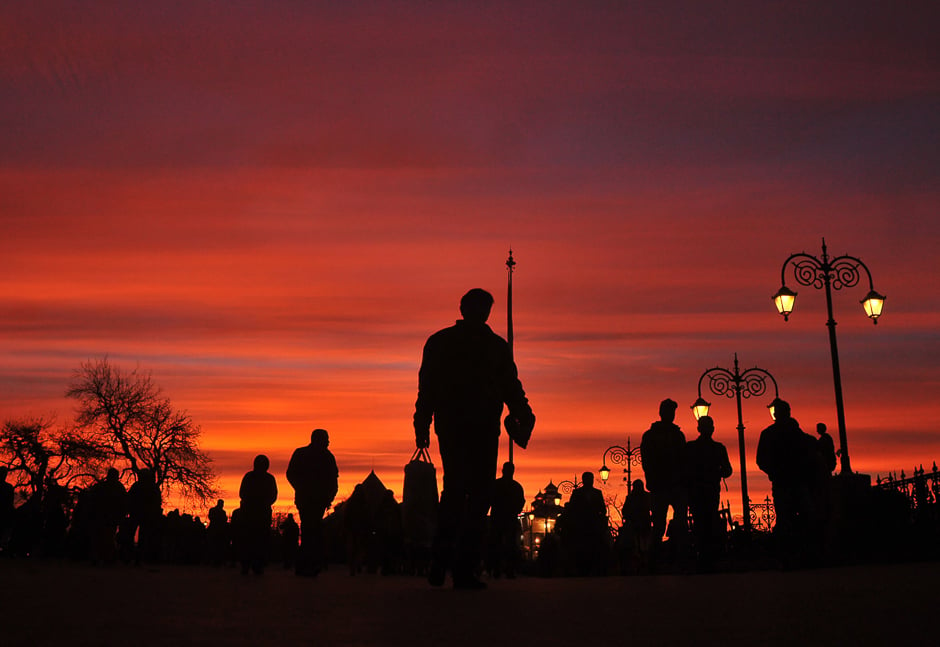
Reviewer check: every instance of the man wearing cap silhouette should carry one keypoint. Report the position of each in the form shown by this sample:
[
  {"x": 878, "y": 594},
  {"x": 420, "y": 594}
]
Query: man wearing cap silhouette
[
  {"x": 313, "y": 474},
  {"x": 467, "y": 374},
  {"x": 706, "y": 464}
]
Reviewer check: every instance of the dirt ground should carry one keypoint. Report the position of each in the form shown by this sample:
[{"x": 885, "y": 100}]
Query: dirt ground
[{"x": 53, "y": 603}]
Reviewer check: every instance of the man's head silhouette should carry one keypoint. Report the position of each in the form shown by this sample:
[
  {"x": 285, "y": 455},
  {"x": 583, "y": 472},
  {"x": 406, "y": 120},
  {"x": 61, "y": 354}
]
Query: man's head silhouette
[
  {"x": 667, "y": 410},
  {"x": 781, "y": 409},
  {"x": 476, "y": 305},
  {"x": 320, "y": 438},
  {"x": 706, "y": 426}
]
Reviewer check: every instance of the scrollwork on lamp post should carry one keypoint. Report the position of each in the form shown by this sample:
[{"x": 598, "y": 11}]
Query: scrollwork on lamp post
[
  {"x": 737, "y": 385},
  {"x": 829, "y": 274}
]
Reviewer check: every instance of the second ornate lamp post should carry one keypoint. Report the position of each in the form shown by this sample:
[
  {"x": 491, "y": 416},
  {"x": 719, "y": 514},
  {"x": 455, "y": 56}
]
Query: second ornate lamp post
[
  {"x": 829, "y": 274},
  {"x": 626, "y": 456},
  {"x": 737, "y": 385}
]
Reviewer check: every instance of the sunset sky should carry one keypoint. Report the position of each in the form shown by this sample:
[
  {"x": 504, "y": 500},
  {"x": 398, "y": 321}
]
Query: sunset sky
[{"x": 271, "y": 205}]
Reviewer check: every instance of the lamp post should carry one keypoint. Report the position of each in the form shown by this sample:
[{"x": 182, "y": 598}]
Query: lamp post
[
  {"x": 627, "y": 456},
  {"x": 737, "y": 385},
  {"x": 510, "y": 265},
  {"x": 567, "y": 487},
  {"x": 829, "y": 274}
]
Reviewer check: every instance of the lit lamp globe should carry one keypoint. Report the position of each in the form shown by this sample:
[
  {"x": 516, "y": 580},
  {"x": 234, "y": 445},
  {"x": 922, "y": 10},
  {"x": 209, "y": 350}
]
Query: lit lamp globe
[
  {"x": 873, "y": 304},
  {"x": 784, "y": 301},
  {"x": 557, "y": 499},
  {"x": 700, "y": 408},
  {"x": 604, "y": 472}
]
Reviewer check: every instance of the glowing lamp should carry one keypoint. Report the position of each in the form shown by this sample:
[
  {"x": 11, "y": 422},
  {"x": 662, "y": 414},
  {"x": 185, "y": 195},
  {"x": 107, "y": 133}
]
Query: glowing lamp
[
  {"x": 531, "y": 516},
  {"x": 700, "y": 408},
  {"x": 873, "y": 303},
  {"x": 784, "y": 301},
  {"x": 557, "y": 499},
  {"x": 604, "y": 472}
]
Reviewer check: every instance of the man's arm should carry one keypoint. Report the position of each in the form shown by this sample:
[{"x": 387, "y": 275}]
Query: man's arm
[{"x": 424, "y": 407}]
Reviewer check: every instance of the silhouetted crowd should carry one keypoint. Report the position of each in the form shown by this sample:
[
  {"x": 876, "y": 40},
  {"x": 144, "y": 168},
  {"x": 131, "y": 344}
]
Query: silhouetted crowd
[{"x": 467, "y": 379}]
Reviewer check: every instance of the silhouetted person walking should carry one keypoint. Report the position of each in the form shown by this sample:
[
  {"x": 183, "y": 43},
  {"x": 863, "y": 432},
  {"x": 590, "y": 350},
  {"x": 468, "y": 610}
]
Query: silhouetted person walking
[
  {"x": 290, "y": 534},
  {"x": 662, "y": 451},
  {"x": 826, "y": 447},
  {"x": 258, "y": 492},
  {"x": 586, "y": 514},
  {"x": 108, "y": 501},
  {"x": 144, "y": 515},
  {"x": 508, "y": 501},
  {"x": 706, "y": 464},
  {"x": 467, "y": 374},
  {"x": 637, "y": 514},
  {"x": 789, "y": 457},
  {"x": 313, "y": 474},
  {"x": 217, "y": 534}
]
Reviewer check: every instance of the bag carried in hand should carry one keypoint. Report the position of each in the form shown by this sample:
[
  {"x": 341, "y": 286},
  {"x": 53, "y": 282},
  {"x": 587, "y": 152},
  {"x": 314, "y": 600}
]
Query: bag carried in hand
[{"x": 419, "y": 498}]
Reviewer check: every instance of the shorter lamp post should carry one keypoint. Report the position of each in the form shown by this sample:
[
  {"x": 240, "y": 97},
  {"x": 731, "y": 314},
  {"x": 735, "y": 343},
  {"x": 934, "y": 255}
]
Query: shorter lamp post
[
  {"x": 737, "y": 385},
  {"x": 627, "y": 456},
  {"x": 567, "y": 487}
]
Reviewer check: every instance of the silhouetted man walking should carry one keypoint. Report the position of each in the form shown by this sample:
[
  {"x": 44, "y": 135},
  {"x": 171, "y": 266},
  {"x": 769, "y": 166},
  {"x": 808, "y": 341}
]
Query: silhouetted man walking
[
  {"x": 467, "y": 374},
  {"x": 508, "y": 501},
  {"x": 790, "y": 458},
  {"x": 826, "y": 447},
  {"x": 706, "y": 464},
  {"x": 586, "y": 513},
  {"x": 258, "y": 492},
  {"x": 637, "y": 515},
  {"x": 662, "y": 452},
  {"x": 315, "y": 478}
]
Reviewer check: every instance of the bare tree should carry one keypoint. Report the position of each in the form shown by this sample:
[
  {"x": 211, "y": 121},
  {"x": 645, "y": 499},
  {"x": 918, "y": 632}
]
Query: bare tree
[
  {"x": 39, "y": 454},
  {"x": 133, "y": 422}
]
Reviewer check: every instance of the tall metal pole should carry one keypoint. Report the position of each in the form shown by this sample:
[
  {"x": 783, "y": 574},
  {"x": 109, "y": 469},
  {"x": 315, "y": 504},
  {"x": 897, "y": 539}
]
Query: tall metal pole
[
  {"x": 844, "y": 461},
  {"x": 742, "y": 454},
  {"x": 510, "y": 264}
]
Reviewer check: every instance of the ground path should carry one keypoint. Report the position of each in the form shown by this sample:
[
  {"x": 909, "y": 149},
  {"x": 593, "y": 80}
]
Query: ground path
[{"x": 50, "y": 603}]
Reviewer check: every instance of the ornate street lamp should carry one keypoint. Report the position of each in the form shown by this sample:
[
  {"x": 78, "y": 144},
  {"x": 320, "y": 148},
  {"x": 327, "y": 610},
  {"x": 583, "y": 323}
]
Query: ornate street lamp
[
  {"x": 830, "y": 274},
  {"x": 627, "y": 456},
  {"x": 737, "y": 385},
  {"x": 567, "y": 487}
]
